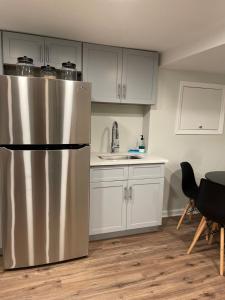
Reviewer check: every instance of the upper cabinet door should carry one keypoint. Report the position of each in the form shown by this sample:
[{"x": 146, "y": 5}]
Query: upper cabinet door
[
  {"x": 139, "y": 76},
  {"x": 17, "y": 44},
  {"x": 59, "y": 51},
  {"x": 102, "y": 66}
]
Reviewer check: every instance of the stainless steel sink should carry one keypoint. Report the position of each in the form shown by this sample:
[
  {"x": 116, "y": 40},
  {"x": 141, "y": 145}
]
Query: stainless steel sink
[{"x": 118, "y": 157}]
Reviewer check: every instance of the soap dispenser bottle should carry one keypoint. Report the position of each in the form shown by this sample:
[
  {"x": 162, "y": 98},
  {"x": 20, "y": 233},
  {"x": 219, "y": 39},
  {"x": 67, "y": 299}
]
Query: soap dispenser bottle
[{"x": 142, "y": 145}]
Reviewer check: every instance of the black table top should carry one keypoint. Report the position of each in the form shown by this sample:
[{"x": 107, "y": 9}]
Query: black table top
[{"x": 216, "y": 176}]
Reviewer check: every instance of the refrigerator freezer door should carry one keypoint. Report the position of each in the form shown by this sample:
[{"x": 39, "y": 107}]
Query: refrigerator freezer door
[
  {"x": 44, "y": 111},
  {"x": 46, "y": 205}
]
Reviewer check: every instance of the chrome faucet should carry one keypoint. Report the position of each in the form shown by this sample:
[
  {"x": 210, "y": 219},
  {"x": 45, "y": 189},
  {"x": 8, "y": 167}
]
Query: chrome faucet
[{"x": 115, "y": 145}]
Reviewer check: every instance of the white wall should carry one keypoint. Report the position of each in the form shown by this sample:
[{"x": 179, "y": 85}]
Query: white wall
[
  {"x": 130, "y": 121},
  {"x": 205, "y": 152}
]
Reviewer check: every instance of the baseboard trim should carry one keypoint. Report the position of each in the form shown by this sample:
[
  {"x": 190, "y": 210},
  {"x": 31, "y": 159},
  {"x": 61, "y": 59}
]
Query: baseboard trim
[
  {"x": 172, "y": 212},
  {"x": 117, "y": 234}
]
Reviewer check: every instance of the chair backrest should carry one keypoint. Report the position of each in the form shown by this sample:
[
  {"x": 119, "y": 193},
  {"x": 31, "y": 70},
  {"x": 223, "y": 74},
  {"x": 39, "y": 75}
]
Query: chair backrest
[
  {"x": 189, "y": 185},
  {"x": 211, "y": 201}
]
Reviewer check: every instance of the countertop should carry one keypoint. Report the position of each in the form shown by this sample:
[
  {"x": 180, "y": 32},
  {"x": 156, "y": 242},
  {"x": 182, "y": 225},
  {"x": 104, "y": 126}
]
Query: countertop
[{"x": 146, "y": 159}]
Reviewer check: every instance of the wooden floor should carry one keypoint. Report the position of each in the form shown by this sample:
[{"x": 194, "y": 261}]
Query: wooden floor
[{"x": 148, "y": 266}]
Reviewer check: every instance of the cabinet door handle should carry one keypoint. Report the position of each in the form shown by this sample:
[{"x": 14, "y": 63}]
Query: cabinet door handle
[
  {"x": 125, "y": 193},
  {"x": 41, "y": 54},
  {"x": 124, "y": 91},
  {"x": 119, "y": 90},
  {"x": 130, "y": 193},
  {"x": 47, "y": 54}
]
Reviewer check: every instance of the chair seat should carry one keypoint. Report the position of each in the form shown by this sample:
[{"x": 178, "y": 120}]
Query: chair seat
[
  {"x": 211, "y": 201},
  {"x": 212, "y": 213}
]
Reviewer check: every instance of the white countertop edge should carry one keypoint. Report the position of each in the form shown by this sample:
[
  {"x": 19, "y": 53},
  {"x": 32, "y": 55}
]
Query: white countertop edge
[{"x": 146, "y": 159}]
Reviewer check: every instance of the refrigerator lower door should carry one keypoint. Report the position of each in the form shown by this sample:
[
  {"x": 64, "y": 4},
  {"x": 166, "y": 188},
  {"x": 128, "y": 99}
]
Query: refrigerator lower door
[{"x": 45, "y": 198}]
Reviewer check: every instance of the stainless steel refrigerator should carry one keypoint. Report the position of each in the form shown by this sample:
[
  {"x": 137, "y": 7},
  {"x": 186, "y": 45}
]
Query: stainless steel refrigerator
[{"x": 44, "y": 169}]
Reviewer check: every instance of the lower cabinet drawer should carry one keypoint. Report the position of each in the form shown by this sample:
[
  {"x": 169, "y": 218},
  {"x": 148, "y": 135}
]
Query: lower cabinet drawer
[
  {"x": 146, "y": 171},
  {"x": 109, "y": 173}
]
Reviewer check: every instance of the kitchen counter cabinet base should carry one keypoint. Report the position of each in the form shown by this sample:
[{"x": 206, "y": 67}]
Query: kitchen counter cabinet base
[
  {"x": 111, "y": 235},
  {"x": 122, "y": 205}
]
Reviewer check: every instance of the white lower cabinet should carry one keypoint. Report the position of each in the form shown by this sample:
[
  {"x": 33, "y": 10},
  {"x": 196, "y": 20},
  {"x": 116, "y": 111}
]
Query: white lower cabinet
[
  {"x": 119, "y": 205},
  {"x": 144, "y": 206},
  {"x": 107, "y": 207}
]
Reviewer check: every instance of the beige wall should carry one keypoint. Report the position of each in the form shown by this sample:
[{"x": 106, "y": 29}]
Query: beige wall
[
  {"x": 130, "y": 121},
  {"x": 205, "y": 152}
]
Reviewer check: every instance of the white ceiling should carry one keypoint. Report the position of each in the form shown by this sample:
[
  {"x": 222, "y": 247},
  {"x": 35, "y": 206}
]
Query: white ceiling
[
  {"x": 168, "y": 26},
  {"x": 211, "y": 60}
]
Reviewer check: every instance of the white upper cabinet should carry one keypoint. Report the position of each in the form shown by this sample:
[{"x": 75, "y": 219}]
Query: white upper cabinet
[
  {"x": 102, "y": 66},
  {"x": 59, "y": 51},
  {"x": 18, "y": 44},
  {"x": 200, "y": 109},
  {"x": 139, "y": 75},
  {"x": 43, "y": 50},
  {"x": 120, "y": 75}
]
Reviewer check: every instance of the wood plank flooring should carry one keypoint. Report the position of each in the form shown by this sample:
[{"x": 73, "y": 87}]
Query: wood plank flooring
[{"x": 149, "y": 266}]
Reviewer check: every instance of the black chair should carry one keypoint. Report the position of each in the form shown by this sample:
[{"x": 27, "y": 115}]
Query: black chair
[
  {"x": 190, "y": 189},
  {"x": 211, "y": 204}
]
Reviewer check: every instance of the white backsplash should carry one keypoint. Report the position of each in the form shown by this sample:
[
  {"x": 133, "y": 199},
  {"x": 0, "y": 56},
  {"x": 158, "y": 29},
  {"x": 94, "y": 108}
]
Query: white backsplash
[{"x": 130, "y": 121}]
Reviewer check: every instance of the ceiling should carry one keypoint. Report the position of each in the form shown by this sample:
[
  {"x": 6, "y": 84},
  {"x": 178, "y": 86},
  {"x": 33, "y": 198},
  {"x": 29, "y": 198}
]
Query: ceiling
[{"x": 182, "y": 30}]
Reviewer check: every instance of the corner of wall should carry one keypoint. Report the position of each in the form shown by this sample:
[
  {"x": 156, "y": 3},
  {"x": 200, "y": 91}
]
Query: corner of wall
[{"x": 146, "y": 125}]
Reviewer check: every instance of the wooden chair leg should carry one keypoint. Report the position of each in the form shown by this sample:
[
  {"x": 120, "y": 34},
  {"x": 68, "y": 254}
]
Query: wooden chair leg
[
  {"x": 199, "y": 225},
  {"x": 199, "y": 231},
  {"x": 214, "y": 227},
  {"x": 221, "y": 251},
  {"x": 183, "y": 215}
]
